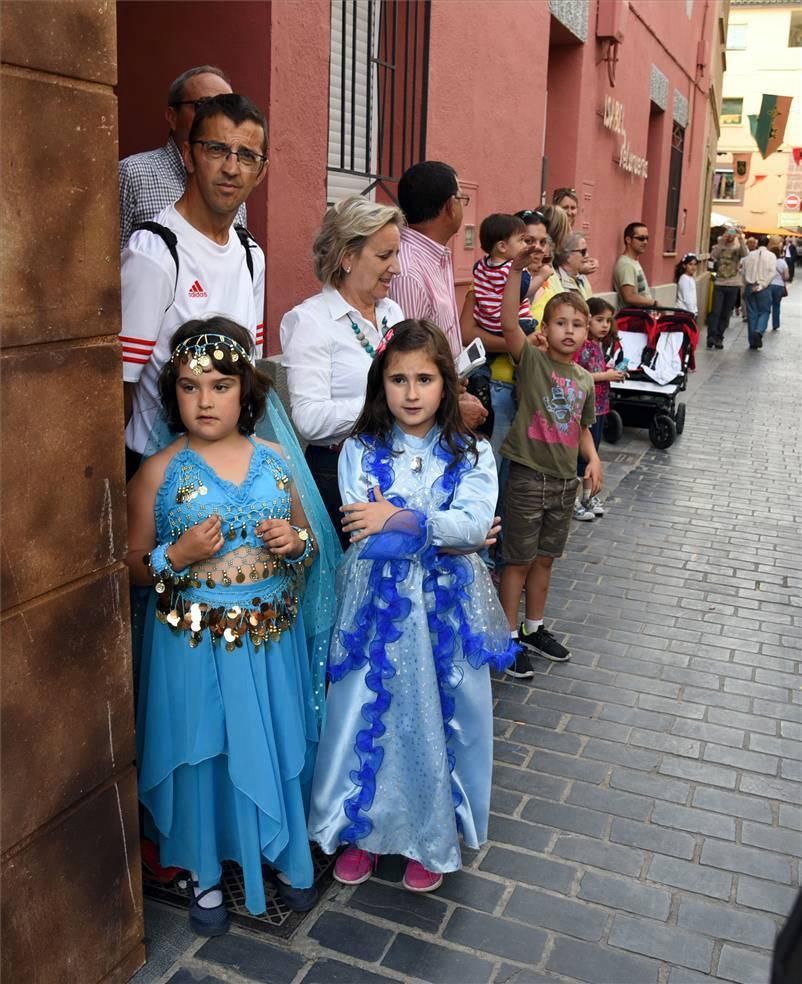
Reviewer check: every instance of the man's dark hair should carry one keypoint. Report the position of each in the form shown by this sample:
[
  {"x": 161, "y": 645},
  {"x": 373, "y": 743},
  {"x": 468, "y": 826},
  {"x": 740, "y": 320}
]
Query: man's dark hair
[
  {"x": 236, "y": 108},
  {"x": 498, "y": 227},
  {"x": 762, "y": 240},
  {"x": 176, "y": 91},
  {"x": 254, "y": 383},
  {"x": 424, "y": 189},
  {"x": 629, "y": 232}
]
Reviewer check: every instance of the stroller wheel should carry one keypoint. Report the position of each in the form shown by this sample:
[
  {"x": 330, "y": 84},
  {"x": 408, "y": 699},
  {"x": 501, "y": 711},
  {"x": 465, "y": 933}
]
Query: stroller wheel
[
  {"x": 679, "y": 418},
  {"x": 613, "y": 427},
  {"x": 662, "y": 431}
]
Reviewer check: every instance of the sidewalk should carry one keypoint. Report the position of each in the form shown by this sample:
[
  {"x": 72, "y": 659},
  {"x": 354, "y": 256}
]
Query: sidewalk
[{"x": 647, "y": 812}]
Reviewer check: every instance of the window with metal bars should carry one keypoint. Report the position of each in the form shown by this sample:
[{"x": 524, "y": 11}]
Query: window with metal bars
[
  {"x": 377, "y": 93},
  {"x": 674, "y": 187}
]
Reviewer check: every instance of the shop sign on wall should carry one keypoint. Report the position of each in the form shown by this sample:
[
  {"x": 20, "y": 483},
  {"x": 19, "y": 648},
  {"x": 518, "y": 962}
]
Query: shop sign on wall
[{"x": 613, "y": 119}]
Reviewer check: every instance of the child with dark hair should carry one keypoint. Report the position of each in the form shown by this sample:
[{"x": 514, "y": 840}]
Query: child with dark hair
[
  {"x": 226, "y": 716},
  {"x": 405, "y": 758},
  {"x": 592, "y": 356},
  {"x": 685, "y": 275}
]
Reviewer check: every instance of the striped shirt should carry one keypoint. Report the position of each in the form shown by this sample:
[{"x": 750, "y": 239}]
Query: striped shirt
[
  {"x": 488, "y": 286},
  {"x": 425, "y": 286}
]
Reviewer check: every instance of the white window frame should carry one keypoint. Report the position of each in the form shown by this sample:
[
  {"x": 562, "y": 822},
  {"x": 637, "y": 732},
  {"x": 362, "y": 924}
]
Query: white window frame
[{"x": 341, "y": 184}]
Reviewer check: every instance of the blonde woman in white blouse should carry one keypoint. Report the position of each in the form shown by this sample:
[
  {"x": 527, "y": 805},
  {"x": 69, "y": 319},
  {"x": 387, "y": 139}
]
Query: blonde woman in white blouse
[{"x": 328, "y": 341}]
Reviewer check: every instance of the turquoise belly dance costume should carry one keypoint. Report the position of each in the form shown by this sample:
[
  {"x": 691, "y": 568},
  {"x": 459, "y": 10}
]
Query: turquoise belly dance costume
[
  {"x": 406, "y": 753},
  {"x": 229, "y": 706}
]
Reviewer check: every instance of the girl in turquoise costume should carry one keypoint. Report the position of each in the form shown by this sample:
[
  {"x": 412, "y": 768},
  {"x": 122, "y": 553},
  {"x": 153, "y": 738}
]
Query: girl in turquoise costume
[
  {"x": 405, "y": 757},
  {"x": 227, "y": 724}
]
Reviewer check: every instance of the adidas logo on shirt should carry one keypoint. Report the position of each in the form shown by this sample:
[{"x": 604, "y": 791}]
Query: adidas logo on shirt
[{"x": 196, "y": 290}]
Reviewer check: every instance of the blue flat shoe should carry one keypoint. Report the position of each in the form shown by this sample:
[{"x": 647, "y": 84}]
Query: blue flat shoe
[
  {"x": 296, "y": 899},
  {"x": 208, "y": 922}
]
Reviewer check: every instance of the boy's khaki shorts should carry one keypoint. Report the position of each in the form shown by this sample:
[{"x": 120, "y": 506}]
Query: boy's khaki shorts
[{"x": 537, "y": 514}]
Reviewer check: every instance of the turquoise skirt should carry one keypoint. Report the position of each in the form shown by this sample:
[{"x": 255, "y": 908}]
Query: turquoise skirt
[{"x": 226, "y": 742}]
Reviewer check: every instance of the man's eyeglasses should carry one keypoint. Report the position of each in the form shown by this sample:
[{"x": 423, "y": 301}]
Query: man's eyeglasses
[
  {"x": 217, "y": 151},
  {"x": 583, "y": 251},
  {"x": 641, "y": 239},
  {"x": 197, "y": 103},
  {"x": 465, "y": 199}
]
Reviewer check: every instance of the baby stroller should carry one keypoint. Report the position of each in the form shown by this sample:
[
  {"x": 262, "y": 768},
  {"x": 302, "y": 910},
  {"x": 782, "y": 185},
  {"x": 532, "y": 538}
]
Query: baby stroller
[{"x": 659, "y": 344}]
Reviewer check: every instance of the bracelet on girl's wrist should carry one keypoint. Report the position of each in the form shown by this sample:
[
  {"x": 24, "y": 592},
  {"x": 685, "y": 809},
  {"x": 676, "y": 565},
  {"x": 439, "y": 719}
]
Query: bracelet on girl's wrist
[
  {"x": 161, "y": 569},
  {"x": 305, "y": 536}
]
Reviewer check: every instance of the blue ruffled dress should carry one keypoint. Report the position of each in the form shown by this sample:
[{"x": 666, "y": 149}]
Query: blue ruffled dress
[
  {"x": 226, "y": 723},
  {"x": 406, "y": 752}
]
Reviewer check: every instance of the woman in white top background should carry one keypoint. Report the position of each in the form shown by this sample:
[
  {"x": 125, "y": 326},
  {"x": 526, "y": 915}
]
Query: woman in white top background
[{"x": 328, "y": 341}]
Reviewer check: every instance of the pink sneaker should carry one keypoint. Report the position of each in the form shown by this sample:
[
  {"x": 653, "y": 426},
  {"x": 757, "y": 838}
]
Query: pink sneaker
[
  {"x": 419, "y": 879},
  {"x": 354, "y": 866}
]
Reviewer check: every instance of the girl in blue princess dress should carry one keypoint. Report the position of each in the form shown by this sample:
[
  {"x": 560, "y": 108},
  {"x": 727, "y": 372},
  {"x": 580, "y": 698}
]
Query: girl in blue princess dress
[
  {"x": 226, "y": 717},
  {"x": 405, "y": 757}
]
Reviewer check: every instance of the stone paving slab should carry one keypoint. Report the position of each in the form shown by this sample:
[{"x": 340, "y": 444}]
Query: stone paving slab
[{"x": 647, "y": 805}]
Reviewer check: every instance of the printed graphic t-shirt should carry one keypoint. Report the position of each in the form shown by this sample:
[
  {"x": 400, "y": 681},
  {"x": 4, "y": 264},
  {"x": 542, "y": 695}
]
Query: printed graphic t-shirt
[{"x": 555, "y": 401}]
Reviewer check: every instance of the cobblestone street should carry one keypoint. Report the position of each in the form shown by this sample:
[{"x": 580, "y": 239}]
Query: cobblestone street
[{"x": 647, "y": 811}]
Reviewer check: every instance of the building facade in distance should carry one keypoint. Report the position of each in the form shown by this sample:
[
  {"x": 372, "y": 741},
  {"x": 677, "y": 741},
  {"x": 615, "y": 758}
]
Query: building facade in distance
[{"x": 764, "y": 57}]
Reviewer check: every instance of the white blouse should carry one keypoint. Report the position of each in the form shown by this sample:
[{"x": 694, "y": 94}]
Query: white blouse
[{"x": 327, "y": 366}]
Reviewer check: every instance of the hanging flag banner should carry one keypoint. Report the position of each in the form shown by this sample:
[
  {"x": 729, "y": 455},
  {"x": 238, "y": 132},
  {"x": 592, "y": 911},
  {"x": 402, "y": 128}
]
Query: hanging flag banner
[
  {"x": 797, "y": 154},
  {"x": 740, "y": 167},
  {"x": 769, "y": 128}
]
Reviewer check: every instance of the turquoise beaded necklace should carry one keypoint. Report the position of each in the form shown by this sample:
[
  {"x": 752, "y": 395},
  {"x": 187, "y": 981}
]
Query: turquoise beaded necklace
[{"x": 362, "y": 338}]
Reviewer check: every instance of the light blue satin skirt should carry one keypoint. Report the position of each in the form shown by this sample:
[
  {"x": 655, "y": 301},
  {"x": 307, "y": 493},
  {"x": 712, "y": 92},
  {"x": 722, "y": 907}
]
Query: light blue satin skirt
[{"x": 413, "y": 812}]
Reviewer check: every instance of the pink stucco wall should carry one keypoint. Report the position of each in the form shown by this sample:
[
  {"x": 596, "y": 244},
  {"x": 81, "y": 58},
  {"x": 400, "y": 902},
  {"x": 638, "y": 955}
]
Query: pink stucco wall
[
  {"x": 490, "y": 66},
  {"x": 296, "y": 181},
  {"x": 487, "y": 75}
]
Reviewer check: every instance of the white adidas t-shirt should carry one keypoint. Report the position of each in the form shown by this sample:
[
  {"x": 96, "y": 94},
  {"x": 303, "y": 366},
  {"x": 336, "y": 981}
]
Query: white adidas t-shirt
[{"x": 212, "y": 280}]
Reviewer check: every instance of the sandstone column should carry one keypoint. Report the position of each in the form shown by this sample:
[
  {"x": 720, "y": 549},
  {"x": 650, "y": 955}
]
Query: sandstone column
[{"x": 71, "y": 899}]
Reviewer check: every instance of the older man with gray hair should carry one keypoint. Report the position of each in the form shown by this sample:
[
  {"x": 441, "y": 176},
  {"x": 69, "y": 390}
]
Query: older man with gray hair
[{"x": 151, "y": 181}]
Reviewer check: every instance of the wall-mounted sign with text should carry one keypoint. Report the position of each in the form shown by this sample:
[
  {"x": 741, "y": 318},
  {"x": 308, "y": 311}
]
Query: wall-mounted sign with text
[{"x": 613, "y": 119}]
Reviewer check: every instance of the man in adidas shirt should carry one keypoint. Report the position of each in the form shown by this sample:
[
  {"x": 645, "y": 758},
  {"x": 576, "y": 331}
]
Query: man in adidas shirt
[{"x": 225, "y": 158}]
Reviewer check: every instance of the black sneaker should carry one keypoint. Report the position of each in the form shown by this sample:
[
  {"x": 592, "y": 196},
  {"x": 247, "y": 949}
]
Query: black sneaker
[
  {"x": 543, "y": 643},
  {"x": 521, "y": 669}
]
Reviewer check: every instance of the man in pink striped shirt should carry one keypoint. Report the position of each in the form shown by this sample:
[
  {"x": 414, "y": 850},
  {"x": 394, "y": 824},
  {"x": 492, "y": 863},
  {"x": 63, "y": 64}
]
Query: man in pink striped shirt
[{"x": 430, "y": 197}]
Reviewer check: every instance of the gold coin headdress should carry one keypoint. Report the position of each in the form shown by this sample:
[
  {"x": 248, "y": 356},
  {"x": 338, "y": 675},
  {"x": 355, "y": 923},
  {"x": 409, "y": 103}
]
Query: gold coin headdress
[{"x": 203, "y": 351}]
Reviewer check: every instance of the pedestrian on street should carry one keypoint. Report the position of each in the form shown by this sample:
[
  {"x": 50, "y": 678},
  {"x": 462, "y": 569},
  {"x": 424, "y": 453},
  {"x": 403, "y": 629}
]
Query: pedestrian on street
[
  {"x": 727, "y": 254},
  {"x": 760, "y": 268},
  {"x": 777, "y": 286},
  {"x": 406, "y": 751},
  {"x": 790, "y": 256}
]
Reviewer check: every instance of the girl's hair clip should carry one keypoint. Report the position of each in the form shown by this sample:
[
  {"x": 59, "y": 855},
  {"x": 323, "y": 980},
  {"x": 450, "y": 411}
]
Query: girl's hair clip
[{"x": 388, "y": 337}]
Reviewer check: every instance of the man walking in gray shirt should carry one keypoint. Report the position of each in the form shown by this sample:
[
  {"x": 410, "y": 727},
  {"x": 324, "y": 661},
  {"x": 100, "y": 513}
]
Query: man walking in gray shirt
[{"x": 727, "y": 254}]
